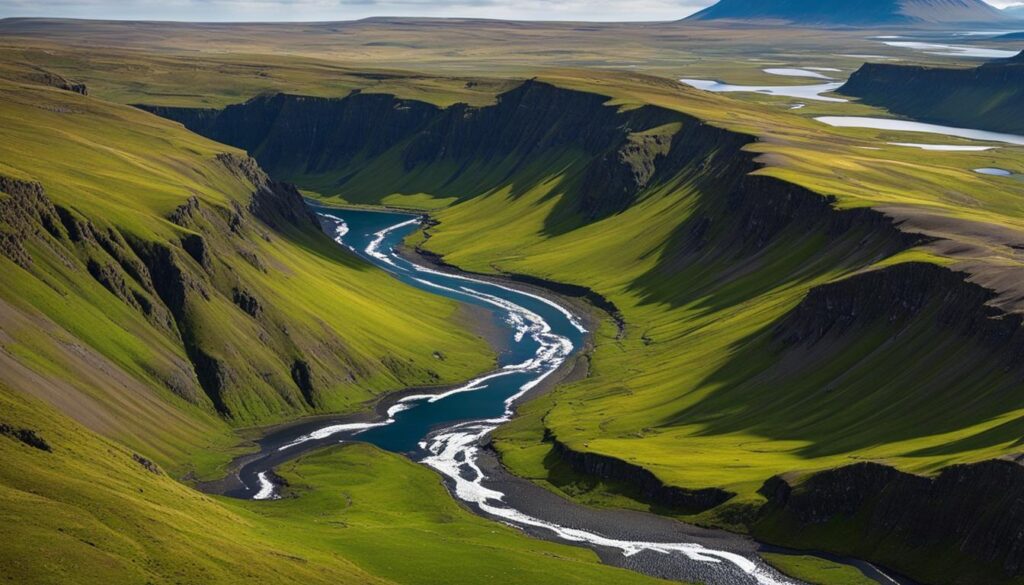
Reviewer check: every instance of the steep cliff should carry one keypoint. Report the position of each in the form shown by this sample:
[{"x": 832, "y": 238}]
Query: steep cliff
[
  {"x": 752, "y": 311},
  {"x": 155, "y": 281},
  {"x": 989, "y": 97},
  {"x": 962, "y": 526},
  {"x": 333, "y": 144}
]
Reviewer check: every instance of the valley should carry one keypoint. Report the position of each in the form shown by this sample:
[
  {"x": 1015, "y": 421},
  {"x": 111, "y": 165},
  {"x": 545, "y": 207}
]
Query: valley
[{"x": 702, "y": 302}]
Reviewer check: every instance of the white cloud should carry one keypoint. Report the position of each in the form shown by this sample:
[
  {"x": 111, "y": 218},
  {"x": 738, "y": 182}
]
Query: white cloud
[
  {"x": 319, "y": 10},
  {"x": 307, "y": 10}
]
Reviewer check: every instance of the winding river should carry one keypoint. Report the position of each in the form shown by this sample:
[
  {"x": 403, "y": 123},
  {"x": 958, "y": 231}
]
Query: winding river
[{"x": 447, "y": 429}]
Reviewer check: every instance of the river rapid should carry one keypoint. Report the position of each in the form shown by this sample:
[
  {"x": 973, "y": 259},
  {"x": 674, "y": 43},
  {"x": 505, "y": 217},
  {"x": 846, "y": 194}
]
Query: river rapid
[{"x": 447, "y": 429}]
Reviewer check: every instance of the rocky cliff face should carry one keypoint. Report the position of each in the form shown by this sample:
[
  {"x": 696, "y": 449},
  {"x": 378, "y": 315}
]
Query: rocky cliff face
[
  {"x": 647, "y": 485},
  {"x": 963, "y": 526},
  {"x": 619, "y": 154},
  {"x": 176, "y": 285},
  {"x": 740, "y": 225},
  {"x": 898, "y": 294},
  {"x": 988, "y": 97}
]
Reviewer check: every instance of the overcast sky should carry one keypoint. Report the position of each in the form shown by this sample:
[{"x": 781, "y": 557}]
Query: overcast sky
[{"x": 312, "y": 10}]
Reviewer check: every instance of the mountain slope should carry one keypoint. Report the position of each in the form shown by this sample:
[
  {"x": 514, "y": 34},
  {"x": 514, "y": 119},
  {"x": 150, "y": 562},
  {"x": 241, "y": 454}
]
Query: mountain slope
[
  {"x": 766, "y": 326},
  {"x": 80, "y": 508},
  {"x": 853, "y": 12},
  {"x": 989, "y": 97},
  {"x": 123, "y": 239},
  {"x": 161, "y": 289}
]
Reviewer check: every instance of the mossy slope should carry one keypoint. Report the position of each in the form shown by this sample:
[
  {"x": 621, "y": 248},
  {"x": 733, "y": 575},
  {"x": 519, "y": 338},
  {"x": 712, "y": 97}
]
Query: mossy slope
[
  {"x": 159, "y": 287},
  {"x": 769, "y": 329},
  {"x": 88, "y": 510}
]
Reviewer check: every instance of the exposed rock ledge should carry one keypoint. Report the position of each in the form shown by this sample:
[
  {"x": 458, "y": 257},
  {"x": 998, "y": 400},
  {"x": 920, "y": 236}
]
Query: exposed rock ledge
[
  {"x": 650, "y": 487},
  {"x": 968, "y": 521}
]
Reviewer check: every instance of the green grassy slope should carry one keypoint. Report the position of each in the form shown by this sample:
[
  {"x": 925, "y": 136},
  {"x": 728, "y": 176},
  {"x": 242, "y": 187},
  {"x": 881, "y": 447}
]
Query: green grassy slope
[
  {"x": 146, "y": 294},
  {"x": 769, "y": 330},
  {"x": 86, "y": 511},
  {"x": 712, "y": 271},
  {"x": 735, "y": 365}
]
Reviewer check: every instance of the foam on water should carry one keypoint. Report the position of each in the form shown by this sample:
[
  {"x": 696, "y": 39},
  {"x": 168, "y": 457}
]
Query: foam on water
[{"x": 266, "y": 491}]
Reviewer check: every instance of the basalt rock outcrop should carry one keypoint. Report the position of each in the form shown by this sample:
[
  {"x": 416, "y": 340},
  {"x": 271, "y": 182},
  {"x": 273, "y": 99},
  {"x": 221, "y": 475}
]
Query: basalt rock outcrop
[
  {"x": 962, "y": 526},
  {"x": 989, "y": 97},
  {"x": 647, "y": 485},
  {"x": 177, "y": 284},
  {"x": 745, "y": 231},
  {"x": 617, "y": 155}
]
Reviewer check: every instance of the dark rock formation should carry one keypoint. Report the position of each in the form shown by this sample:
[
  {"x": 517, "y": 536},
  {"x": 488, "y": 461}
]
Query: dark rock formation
[
  {"x": 245, "y": 301},
  {"x": 273, "y": 202},
  {"x": 900, "y": 293},
  {"x": 307, "y": 136},
  {"x": 303, "y": 378},
  {"x": 26, "y": 213},
  {"x": 649, "y": 487},
  {"x": 44, "y": 77},
  {"x": 989, "y": 97},
  {"x": 968, "y": 516},
  {"x": 146, "y": 463},
  {"x": 27, "y": 436}
]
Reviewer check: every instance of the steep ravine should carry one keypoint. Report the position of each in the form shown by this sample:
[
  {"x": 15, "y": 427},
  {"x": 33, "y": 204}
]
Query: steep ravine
[{"x": 619, "y": 157}]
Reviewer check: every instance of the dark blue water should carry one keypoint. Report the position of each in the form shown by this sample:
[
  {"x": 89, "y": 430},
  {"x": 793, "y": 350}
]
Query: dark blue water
[
  {"x": 442, "y": 428},
  {"x": 488, "y": 398}
]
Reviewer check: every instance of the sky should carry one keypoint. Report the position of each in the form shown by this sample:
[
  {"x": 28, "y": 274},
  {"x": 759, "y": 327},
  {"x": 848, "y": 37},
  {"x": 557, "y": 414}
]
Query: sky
[{"x": 319, "y": 10}]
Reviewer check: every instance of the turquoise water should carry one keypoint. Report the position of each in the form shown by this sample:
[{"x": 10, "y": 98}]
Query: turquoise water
[{"x": 526, "y": 353}]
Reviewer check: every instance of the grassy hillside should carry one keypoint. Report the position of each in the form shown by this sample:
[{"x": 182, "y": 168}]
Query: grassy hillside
[
  {"x": 711, "y": 279},
  {"x": 769, "y": 329},
  {"x": 162, "y": 292},
  {"x": 796, "y": 298},
  {"x": 89, "y": 510}
]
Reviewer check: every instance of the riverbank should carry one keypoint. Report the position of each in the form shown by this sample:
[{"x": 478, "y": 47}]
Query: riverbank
[{"x": 457, "y": 447}]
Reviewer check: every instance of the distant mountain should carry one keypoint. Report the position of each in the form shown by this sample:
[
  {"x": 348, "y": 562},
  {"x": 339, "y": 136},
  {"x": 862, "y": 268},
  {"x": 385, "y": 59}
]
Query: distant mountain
[
  {"x": 1015, "y": 11},
  {"x": 854, "y": 12},
  {"x": 989, "y": 97}
]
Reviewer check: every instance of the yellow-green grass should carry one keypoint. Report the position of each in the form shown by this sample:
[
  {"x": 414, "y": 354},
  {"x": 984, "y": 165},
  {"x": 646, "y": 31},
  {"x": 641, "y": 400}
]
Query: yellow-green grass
[
  {"x": 456, "y": 47},
  {"x": 646, "y": 385},
  {"x": 127, "y": 170},
  {"x": 674, "y": 394},
  {"x": 817, "y": 570},
  {"x": 670, "y": 395},
  {"x": 87, "y": 512}
]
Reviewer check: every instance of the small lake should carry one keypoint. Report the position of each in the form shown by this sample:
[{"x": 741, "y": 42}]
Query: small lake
[
  {"x": 791, "y": 72},
  {"x": 919, "y": 127},
  {"x": 993, "y": 172},
  {"x": 953, "y": 50},
  {"x": 805, "y": 92}
]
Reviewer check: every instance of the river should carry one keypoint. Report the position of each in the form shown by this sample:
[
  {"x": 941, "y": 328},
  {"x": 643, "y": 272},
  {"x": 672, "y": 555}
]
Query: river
[{"x": 447, "y": 428}]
